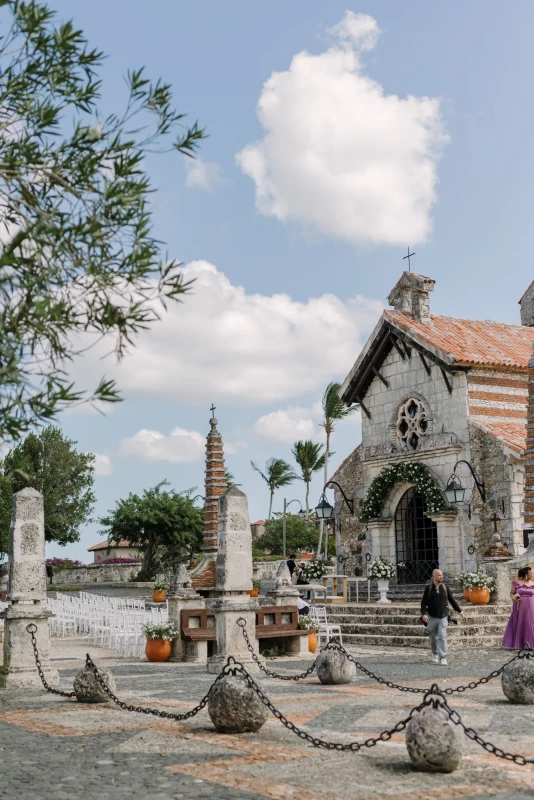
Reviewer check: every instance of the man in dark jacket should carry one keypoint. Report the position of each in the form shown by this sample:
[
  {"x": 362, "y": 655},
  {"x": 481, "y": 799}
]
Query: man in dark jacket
[{"x": 435, "y": 612}]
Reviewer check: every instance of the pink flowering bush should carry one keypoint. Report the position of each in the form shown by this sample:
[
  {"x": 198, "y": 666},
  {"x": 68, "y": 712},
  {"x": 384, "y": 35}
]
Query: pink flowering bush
[
  {"x": 117, "y": 561},
  {"x": 63, "y": 563}
]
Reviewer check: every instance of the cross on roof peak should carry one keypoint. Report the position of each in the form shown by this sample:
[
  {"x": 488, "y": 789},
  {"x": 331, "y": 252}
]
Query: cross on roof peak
[
  {"x": 408, "y": 257},
  {"x": 212, "y": 409}
]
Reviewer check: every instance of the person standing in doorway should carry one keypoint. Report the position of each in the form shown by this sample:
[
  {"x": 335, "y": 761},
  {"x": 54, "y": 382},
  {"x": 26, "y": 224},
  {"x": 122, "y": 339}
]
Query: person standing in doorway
[{"x": 435, "y": 614}]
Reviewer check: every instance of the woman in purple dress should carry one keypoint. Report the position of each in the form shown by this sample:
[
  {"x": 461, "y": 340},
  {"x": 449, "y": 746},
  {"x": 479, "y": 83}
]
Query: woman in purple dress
[{"x": 520, "y": 629}]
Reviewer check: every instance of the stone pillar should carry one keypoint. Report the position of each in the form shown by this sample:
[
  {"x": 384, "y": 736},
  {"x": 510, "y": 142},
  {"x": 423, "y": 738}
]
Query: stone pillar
[
  {"x": 285, "y": 594},
  {"x": 379, "y": 535},
  {"x": 182, "y": 596},
  {"x": 229, "y": 601},
  {"x": 450, "y": 556},
  {"x": 27, "y": 592}
]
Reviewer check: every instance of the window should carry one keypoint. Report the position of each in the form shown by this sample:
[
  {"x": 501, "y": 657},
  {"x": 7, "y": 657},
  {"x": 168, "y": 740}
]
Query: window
[{"x": 412, "y": 424}]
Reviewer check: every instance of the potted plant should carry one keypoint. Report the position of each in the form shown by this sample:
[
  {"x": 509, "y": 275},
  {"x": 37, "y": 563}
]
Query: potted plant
[
  {"x": 254, "y": 592},
  {"x": 465, "y": 579},
  {"x": 311, "y": 625},
  {"x": 482, "y": 586},
  {"x": 382, "y": 570},
  {"x": 159, "y": 591},
  {"x": 314, "y": 571},
  {"x": 158, "y": 640}
]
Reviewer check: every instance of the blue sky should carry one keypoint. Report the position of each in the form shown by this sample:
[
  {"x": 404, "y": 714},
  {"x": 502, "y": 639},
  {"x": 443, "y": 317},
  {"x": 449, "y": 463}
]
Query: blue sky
[{"x": 342, "y": 172}]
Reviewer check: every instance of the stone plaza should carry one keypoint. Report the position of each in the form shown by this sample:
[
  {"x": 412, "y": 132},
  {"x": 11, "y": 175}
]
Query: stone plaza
[{"x": 58, "y": 748}]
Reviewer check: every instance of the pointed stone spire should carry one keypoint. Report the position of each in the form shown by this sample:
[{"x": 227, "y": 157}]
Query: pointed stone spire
[{"x": 215, "y": 486}]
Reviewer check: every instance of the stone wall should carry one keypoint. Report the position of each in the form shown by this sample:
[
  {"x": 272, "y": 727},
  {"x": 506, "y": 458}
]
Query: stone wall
[
  {"x": 98, "y": 573},
  {"x": 352, "y": 531},
  {"x": 141, "y": 591},
  {"x": 503, "y": 476}
]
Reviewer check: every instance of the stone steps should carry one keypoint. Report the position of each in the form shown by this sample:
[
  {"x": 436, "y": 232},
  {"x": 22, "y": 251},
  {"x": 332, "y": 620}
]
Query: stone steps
[
  {"x": 460, "y": 631},
  {"x": 454, "y": 642}
]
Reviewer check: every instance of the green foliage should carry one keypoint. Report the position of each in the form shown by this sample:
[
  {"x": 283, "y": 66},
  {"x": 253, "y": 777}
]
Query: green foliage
[
  {"x": 334, "y": 409},
  {"x": 160, "y": 587},
  {"x": 230, "y": 480},
  {"x": 277, "y": 473},
  {"x": 310, "y": 458},
  {"x": 50, "y": 463},
  {"x": 165, "y": 524},
  {"x": 301, "y": 534},
  {"x": 405, "y": 472},
  {"x": 78, "y": 258}
]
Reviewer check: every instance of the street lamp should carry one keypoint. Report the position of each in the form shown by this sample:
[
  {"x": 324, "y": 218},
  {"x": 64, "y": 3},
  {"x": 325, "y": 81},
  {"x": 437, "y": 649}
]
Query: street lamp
[
  {"x": 455, "y": 492},
  {"x": 325, "y": 511},
  {"x": 301, "y": 514},
  {"x": 197, "y": 496}
]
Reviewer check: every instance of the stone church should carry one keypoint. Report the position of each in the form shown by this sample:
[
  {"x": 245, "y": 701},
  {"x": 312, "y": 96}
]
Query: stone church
[{"x": 434, "y": 391}]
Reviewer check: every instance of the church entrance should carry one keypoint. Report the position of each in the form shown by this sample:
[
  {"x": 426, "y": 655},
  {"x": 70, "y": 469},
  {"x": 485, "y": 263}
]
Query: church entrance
[{"x": 416, "y": 538}]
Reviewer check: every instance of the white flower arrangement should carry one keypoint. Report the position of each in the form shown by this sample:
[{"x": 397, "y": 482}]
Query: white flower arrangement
[
  {"x": 465, "y": 579},
  {"x": 314, "y": 570},
  {"x": 406, "y": 472},
  {"x": 307, "y": 623},
  {"x": 167, "y": 632},
  {"x": 381, "y": 569},
  {"x": 482, "y": 581}
]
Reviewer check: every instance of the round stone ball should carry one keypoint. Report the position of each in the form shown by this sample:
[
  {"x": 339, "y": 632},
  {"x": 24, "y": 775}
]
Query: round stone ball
[
  {"x": 88, "y": 689},
  {"x": 333, "y": 667},
  {"x": 517, "y": 681},
  {"x": 433, "y": 743},
  {"x": 234, "y": 707}
]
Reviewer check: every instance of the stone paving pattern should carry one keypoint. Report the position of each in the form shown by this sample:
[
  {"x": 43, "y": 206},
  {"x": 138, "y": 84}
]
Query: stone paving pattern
[{"x": 56, "y": 748}]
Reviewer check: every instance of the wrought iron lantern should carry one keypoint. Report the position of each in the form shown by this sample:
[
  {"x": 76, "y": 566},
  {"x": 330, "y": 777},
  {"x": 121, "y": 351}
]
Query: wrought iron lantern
[
  {"x": 454, "y": 491},
  {"x": 324, "y": 510}
]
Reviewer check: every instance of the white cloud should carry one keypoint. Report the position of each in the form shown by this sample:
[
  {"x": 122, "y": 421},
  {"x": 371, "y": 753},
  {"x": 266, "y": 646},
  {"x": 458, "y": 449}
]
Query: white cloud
[
  {"x": 204, "y": 175},
  {"x": 237, "y": 348},
  {"x": 340, "y": 154},
  {"x": 181, "y": 445},
  {"x": 234, "y": 448},
  {"x": 103, "y": 464},
  {"x": 360, "y": 29},
  {"x": 288, "y": 425}
]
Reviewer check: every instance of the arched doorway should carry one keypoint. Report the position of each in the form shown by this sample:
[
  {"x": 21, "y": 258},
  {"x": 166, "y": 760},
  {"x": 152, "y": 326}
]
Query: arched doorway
[{"x": 416, "y": 539}]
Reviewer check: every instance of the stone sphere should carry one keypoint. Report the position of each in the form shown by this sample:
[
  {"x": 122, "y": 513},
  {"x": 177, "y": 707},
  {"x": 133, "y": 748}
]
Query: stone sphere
[
  {"x": 433, "y": 743},
  {"x": 234, "y": 707},
  {"x": 517, "y": 681},
  {"x": 333, "y": 666},
  {"x": 87, "y": 688}
]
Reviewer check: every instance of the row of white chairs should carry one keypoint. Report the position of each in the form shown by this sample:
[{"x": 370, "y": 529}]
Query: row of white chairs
[{"x": 113, "y": 623}]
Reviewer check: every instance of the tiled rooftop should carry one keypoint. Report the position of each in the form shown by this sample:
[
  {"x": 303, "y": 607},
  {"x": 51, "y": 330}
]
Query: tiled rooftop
[
  {"x": 512, "y": 434},
  {"x": 105, "y": 545},
  {"x": 470, "y": 342}
]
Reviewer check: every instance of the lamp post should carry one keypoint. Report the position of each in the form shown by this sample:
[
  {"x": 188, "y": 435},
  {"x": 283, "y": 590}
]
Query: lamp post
[
  {"x": 197, "y": 496},
  {"x": 301, "y": 514},
  {"x": 455, "y": 492},
  {"x": 325, "y": 511}
]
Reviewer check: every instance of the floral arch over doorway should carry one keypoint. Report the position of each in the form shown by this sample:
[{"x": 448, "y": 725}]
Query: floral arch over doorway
[{"x": 404, "y": 472}]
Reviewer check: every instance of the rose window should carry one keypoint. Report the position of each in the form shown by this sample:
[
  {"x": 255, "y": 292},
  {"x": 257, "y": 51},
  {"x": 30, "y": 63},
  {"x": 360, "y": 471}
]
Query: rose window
[{"x": 412, "y": 424}]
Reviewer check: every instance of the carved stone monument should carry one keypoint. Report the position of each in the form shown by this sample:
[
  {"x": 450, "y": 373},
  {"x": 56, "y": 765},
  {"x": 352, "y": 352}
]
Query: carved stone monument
[
  {"x": 229, "y": 600},
  {"x": 27, "y": 593},
  {"x": 182, "y": 596}
]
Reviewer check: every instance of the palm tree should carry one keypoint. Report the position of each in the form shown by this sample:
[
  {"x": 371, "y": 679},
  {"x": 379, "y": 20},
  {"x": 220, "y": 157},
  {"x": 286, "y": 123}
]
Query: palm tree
[
  {"x": 310, "y": 458},
  {"x": 334, "y": 410},
  {"x": 277, "y": 473},
  {"x": 230, "y": 480}
]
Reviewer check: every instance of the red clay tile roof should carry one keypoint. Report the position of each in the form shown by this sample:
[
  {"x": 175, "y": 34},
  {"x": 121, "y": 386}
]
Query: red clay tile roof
[
  {"x": 105, "y": 545},
  {"x": 469, "y": 342},
  {"x": 512, "y": 434}
]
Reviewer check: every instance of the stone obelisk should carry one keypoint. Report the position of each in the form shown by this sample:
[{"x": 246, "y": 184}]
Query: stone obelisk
[
  {"x": 229, "y": 600},
  {"x": 27, "y": 593}
]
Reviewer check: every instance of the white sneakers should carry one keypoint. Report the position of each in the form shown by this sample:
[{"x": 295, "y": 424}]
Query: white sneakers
[
  {"x": 435, "y": 658},
  {"x": 443, "y": 662}
]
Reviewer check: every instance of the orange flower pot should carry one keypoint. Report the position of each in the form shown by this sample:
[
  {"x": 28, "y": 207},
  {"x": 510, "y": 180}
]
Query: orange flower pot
[
  {"x": 158, "y": 649},
  {"x": 467, "y": 594},
  {"x": 312, "y": 641},
  {"x": 479, "y": 597},
  {"x": 159, "y": 595},
  {"x": 254, "y": 592}
]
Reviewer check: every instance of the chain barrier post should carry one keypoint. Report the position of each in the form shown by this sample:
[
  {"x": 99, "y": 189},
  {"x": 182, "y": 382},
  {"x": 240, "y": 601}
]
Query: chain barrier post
[
  {"x": 243, "y": 625},
  {"x": 431, "y": 738},
  {"x": 32, "y": 630}
]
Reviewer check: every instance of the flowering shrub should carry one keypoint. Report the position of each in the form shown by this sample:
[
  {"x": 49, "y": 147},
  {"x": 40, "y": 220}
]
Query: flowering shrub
[
  {"x": 62, "y": 563},
  {"x": 307, "y": 623},
  {"x": 381, "y": 569},
  {"x": 314, "y": 570},
  {"x": 406, "y": 472},
  {"x": 482, "y": 581},
  {"x": 166, "y": 632},
  {"x": 117, "y": 561},
  {"x": 465, "y": 579}
]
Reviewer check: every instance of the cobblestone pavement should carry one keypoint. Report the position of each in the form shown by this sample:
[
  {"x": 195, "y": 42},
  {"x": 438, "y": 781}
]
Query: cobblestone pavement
[{"x": 54, "y": 748}]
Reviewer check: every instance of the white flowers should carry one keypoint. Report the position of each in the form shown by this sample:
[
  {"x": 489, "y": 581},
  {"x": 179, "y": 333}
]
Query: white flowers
[
  {"x": 409, "y": 472},
  {"x": 381, "y": 569}
]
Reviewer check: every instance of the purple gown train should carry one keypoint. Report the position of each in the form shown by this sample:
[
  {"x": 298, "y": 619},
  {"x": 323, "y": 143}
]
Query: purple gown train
[{"x": 520, "y": 628}]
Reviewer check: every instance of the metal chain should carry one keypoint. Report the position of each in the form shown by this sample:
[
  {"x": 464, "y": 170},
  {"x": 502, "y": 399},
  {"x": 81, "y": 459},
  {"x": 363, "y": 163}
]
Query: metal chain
[
  {"x": 239, "y": 669},
  {"x": 32, "y": 629},
  {"x": 143, "y": 709},
  {"x": 242, "y": 624}
]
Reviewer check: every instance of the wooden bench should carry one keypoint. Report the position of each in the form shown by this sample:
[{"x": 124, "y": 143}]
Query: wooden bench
[{"x": 198, "y": 624}]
